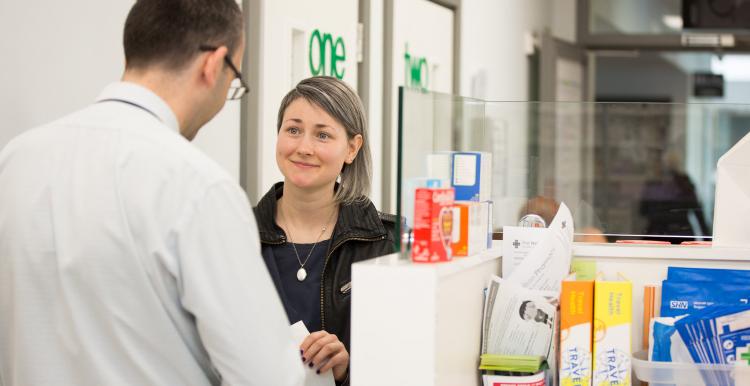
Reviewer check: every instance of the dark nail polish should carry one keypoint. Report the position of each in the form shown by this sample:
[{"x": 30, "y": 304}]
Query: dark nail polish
[
  {"x": 311, "y": 364},
  {"x": 317, "y": 371},
  {"x": 301, "y": 352},
  {"x": 303, "y": 359}
]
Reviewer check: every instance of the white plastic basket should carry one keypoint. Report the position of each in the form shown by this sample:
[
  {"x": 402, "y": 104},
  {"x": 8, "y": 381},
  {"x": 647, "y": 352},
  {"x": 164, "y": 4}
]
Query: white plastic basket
[{"x": 685, "y": 374}]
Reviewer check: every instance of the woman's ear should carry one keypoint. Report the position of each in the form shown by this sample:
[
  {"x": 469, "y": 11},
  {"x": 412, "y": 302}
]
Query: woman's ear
[{"x": 354, "y": 145}]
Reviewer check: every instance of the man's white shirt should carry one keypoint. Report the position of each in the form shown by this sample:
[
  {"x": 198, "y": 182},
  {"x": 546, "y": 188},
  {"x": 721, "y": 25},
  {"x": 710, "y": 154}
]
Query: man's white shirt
[{"x": 128, "y": 257}]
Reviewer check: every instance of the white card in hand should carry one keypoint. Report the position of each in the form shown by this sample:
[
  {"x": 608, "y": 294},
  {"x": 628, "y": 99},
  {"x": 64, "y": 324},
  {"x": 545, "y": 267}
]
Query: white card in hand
[{"x": 299, "y": 333}]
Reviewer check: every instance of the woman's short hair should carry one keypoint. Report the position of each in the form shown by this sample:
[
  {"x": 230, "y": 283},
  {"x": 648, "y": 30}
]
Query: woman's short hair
[
  {"x": 170, "y": 32},
  {"x": 342, "y": 103}
]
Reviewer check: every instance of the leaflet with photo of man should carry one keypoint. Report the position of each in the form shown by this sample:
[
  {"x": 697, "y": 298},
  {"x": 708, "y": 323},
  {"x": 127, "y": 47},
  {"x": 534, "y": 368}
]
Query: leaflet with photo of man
[{"x": 517, "y": 321}]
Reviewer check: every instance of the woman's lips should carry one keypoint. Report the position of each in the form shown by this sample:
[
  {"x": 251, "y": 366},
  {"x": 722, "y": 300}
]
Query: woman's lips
[{"x": 304, "y": 165}]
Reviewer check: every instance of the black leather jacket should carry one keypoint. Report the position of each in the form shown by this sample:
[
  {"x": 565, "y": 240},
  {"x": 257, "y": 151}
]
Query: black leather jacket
[{"x": 361, "y": 233}]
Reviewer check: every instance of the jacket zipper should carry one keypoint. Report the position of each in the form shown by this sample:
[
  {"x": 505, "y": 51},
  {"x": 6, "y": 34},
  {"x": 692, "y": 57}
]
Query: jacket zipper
[{"x": 323, "y": 274}]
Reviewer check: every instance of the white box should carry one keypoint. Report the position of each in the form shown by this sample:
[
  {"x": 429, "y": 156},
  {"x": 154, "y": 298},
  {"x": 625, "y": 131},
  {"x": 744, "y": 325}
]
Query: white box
[
  {"x": 470, "y": 227},
  {"x": 439, "y": 167}
]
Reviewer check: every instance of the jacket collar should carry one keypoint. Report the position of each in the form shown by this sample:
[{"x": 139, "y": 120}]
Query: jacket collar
[{"x": 359, "y": 220}]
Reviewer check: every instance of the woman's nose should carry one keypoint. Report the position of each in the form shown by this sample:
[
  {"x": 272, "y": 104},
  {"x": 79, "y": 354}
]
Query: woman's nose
[{"x": 305, "y": 145}]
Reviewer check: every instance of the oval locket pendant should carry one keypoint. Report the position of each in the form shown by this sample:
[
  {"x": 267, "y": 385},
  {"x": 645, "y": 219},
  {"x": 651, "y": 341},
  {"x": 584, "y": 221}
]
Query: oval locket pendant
[{"x": 301, "y": 274}]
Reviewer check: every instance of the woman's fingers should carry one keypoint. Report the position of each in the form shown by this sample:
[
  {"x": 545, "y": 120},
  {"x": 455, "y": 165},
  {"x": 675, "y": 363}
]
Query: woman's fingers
[
  {"x": 327, "y": 352},
  {"x": 340, "y": 359},
  {"x": 312, "y": 338},
  {"x": 314, "y": 343}
]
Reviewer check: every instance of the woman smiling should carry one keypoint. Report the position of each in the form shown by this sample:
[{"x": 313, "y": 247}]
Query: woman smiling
[{"x": 318, "y": 222}]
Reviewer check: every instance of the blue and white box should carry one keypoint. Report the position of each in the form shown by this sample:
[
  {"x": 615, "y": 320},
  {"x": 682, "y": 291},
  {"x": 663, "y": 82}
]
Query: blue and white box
[{"x": 471, "y": 175}]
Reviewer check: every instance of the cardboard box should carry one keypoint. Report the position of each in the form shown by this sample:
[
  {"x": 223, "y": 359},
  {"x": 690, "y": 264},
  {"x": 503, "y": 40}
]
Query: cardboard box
[
  {"x": 576, "y": 327},
  {"x": 469, "y": 227},
  {"x": 613, "y": 317},
  {"x": 439, "y": 167},
  {"x": 471, "y": 175},
  {"x": 433, "y": 225},
  {"x": 410, "y": 187}
]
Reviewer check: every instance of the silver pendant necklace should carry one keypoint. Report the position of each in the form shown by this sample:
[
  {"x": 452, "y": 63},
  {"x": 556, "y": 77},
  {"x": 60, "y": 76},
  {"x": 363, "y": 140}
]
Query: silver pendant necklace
[{"x": 302, "y": 272}]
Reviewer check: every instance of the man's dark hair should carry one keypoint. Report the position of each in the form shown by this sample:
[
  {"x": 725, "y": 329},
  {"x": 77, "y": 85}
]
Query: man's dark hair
[{"x": 170, "y": 32}]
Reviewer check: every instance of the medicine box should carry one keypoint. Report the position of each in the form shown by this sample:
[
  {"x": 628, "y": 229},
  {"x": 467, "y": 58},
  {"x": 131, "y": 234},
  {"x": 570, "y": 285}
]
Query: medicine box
[
  {"x": 471, "y": 175},
  {"x": 470, "y": 227},
  {"x": 433, "y": 225}
]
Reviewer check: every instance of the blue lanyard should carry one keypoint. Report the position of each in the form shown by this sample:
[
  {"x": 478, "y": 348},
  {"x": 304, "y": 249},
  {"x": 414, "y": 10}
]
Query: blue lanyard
[{"x": 132, "y": 104}]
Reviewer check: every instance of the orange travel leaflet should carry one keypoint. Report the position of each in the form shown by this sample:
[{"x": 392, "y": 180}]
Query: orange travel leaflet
[{"x": 576, "y": 324}]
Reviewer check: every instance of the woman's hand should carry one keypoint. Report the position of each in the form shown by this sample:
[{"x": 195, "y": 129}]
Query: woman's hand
[{"x": 325, "y": 351}]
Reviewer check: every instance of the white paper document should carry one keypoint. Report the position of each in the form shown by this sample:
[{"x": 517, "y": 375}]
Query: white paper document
[
  {"x": 732, "y": 207},
  {"x": 517, "y": 321},
  {"x": 547, "y": 264},
  {"x": 299, "y": 333},
  {"x": 518, "y": 243}
]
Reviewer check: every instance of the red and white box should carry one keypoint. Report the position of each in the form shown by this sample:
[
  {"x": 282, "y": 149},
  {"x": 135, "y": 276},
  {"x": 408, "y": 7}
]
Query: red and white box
[{"x": 433, "y": 225}]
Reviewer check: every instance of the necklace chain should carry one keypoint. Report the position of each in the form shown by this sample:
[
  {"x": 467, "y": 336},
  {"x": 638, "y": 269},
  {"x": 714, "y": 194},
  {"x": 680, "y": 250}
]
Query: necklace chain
[{"x": 322, "y": 231}]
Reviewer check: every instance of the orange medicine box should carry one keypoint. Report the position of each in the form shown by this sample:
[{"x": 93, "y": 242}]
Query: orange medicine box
[
  {"x": 576, "y": 327},
  {"x": 433, "y": 222}
]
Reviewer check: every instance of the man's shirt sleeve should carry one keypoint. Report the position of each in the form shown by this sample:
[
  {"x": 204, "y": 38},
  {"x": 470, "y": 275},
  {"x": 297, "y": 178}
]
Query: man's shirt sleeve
[{"x": 225, "y": 284}]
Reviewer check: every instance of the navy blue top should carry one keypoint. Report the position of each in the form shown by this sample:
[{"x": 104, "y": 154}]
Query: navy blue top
[{"x": 301, "y": 299}]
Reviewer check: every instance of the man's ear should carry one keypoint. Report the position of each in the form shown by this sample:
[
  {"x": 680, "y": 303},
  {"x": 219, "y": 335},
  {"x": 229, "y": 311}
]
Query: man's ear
[{"x": 212, "y": 64}]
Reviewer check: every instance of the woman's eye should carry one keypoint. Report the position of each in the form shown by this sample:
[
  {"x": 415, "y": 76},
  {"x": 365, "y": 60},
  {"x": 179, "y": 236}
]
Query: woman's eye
[
  {"x": 323, "y": 135},
  {"x": 292, "y": 130}
]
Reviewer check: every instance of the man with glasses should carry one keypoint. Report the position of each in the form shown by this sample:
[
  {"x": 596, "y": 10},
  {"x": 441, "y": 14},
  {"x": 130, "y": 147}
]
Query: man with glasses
[{"x": 127, "y": 257}]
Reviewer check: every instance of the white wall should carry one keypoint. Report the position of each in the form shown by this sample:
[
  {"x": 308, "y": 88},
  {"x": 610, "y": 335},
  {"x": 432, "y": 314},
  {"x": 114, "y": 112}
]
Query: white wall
[
  {"x": 493, "y": 57},
  {"x": 374, "y": 104},
  {"x": 57, "y": 57}
]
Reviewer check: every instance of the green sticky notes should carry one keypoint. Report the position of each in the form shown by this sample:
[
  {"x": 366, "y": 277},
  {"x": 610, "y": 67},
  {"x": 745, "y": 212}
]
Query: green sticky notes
[{"x": 584, "y": 269}]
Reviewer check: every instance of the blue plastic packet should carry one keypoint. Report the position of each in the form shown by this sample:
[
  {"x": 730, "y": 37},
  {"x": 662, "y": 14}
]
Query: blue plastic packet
[
  {"x": 686, "y": 297},
  {"x": 730, "y": 329},
  {"x": 725, "y": 328},
  {"x": 661, "y": 344},
  {"x": 707, "y": 274}
]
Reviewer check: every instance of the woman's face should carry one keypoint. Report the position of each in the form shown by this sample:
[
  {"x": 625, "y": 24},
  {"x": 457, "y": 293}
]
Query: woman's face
[{"x": 312, "y": 147}]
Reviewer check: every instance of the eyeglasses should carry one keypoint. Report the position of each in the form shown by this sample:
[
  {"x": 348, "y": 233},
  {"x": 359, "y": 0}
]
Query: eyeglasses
[{"x": 238, "y": 87}]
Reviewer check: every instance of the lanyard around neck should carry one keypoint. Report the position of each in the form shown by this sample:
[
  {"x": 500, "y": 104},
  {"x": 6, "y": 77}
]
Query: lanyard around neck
[{"x": 132, "y": 104}]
